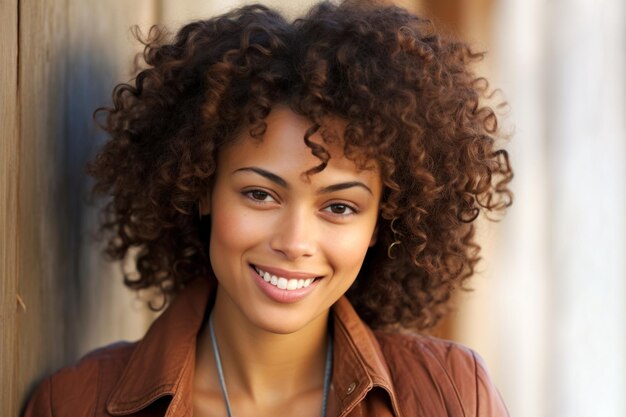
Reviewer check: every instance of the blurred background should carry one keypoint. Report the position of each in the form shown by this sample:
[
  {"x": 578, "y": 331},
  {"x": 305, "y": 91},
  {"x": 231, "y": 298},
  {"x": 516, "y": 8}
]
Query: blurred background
[{"x": 548, "y": 310}]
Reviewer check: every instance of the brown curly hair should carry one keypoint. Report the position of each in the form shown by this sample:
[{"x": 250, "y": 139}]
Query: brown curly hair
[{"x": 411, "y": 102}]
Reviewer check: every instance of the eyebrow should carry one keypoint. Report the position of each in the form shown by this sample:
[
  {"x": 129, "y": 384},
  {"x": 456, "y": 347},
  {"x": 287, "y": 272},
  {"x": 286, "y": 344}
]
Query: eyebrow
[{"x": 324, "y": 190}]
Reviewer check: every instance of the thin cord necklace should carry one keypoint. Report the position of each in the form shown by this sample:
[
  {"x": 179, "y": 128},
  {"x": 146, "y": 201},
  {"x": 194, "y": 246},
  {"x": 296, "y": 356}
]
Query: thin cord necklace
[{"x": 220, "y": 371}]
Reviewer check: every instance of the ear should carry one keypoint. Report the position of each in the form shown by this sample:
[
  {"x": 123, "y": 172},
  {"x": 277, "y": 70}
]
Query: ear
[
  {"x": 204, "y": 205},
  {"x": 374, "y": 236}
]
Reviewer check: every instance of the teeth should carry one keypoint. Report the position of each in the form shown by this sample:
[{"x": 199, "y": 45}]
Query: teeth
[{"x": 284, "y": 283}]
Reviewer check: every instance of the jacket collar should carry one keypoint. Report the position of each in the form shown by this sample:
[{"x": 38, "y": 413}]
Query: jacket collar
[
  {"x": 359, "y": 363},
  {"x": 162, "y": 363}
]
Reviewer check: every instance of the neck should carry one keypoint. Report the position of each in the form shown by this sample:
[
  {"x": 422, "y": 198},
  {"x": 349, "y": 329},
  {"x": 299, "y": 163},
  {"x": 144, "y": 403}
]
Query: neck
[{"x": 261, "y": 365}]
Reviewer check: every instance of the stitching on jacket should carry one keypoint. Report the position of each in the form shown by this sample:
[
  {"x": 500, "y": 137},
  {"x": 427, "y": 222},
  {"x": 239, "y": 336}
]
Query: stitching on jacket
[
  {"x": 408, "y": 344},
  {"x": 476, "y": 383},
  {"x": 343, "y": 401},
  {"x": 98, "y": 387},
  {"x": 50, "y": 396},
  {"x": 449, "y": 345},
  {"x": 374, "y": 381},
  {"x": 413, "y": 342},
  {"x": 176, "y": 401},
  {"x": 129, "y": 404}
]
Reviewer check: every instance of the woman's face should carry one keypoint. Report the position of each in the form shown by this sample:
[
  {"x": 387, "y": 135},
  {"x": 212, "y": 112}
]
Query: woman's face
[{"x": 306, "y": 236}]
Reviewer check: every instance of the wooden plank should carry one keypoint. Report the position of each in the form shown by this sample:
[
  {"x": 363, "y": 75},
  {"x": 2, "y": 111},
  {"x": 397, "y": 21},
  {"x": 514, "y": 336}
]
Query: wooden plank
[
  {"x": 71, "y": 53},
  {"x": 102, "y": 55},
  {"x": 42, "y": 40},
  {"x": 9, "y": 162}
]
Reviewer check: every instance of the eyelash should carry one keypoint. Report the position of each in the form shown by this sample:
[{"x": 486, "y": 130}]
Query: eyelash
[{"x": 249, "y": 195}]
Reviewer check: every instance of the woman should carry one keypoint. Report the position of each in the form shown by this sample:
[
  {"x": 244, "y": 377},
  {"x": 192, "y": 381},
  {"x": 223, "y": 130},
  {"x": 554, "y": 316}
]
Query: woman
[{"x": 302, "y": 195}]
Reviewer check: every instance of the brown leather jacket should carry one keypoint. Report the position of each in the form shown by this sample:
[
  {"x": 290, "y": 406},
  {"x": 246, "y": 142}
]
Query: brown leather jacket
[{"x": 374, "y": 373}]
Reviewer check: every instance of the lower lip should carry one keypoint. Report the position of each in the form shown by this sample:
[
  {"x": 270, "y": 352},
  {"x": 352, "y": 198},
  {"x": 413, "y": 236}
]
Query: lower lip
[{"x": 282, "y": 296}]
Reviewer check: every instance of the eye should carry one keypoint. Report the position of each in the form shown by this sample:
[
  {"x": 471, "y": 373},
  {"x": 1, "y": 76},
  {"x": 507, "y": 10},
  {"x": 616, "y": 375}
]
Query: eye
[
  {"x": 258, "y": 196},
  {"x": 341, "y": 209}
]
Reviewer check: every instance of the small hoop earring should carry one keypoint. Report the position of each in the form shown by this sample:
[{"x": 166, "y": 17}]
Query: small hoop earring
[
  {"x": 396, "y": 236},
  {"x": 395, "y": 232},
  {"x": 397, "y": 242}
]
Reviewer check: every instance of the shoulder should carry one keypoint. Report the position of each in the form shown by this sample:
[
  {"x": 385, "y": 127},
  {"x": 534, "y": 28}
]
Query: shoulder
[
  {"x": 453, "y": 376},
  {"x": 459, "y": 361},
  {"x": 83, "y": 386}
]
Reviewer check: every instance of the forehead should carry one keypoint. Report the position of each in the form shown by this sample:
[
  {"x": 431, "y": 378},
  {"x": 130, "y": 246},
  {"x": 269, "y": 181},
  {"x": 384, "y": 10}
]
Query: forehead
[{"x": 282, "y": 149}]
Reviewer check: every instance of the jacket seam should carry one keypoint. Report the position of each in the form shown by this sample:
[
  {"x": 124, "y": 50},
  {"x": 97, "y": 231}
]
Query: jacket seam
[
  {"x": 449, "y": 378},
  {"x": 344, "y": 409},
  {"x": 122, "y": 380},
  {"x": 50, "y": 396},
  {"x": 176, "y": 400},
  {"x": 98, "y": 388},
  {"x": 372, "y": 382},
  {"x": 129, "y": 406},
  {"x": 476, "y": 384},
  {"x": 414, "y": 343}
]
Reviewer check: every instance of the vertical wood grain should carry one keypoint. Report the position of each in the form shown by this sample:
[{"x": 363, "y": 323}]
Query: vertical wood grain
[
  {"x": 9, "y": 162},
  {"x": 72, "y": 53},
  {"x": 42, "y": 224},
  {"x": 101, "y": 55}
]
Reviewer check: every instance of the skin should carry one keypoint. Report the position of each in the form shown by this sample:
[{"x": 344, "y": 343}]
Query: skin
[{"x": 273, "y": 353}]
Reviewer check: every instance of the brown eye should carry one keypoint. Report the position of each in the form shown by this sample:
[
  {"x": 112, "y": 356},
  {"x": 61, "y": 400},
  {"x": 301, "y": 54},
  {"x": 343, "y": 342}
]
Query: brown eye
[
  {"x": 259, "y": 195},
  {"x": 341, "y": 209},
  {"x": 338, "y": 208}
]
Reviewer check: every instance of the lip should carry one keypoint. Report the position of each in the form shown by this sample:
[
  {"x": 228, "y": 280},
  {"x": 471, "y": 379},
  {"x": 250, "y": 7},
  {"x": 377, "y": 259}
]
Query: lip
[
  {"x": 286, "y": 274},
  {"x": 278, "y": 295}
]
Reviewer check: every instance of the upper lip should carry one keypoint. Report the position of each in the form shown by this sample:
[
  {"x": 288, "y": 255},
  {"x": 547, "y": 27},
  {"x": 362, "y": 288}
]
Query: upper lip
[{"x": 284, "y": 273}]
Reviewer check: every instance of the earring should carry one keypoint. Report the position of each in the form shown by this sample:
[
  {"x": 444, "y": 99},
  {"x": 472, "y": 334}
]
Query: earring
[
  {"x": 395, "y": 232},
  {"x": 396, "y": 235},
  {"x": 397, "y": 242}
]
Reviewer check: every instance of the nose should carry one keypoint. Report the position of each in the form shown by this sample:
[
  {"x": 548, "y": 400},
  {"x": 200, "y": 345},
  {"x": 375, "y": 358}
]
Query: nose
[{"x": 294, "y": 234}]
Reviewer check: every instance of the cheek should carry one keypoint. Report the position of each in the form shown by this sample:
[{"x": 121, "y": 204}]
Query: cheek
[
  {"x": 233, "y": 232},
  {"x": 346, "y": 251}
]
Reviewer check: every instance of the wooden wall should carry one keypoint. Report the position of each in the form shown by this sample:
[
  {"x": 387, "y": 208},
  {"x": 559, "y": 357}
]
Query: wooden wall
[
  {"x": 9, "y": 161},
  {"x": 58, "y": 298}
]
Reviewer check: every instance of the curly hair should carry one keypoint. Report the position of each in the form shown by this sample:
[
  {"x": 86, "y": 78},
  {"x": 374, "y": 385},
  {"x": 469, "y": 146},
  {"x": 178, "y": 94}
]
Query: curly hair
[{"x": 411, "y": 102}]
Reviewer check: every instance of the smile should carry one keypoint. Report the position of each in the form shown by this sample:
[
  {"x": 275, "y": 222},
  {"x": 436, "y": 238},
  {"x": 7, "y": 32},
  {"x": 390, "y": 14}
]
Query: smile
[{"x": 283, "y": 283}]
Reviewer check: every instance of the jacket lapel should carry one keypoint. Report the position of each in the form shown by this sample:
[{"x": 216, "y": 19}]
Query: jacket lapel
[
  {"x": 359, "y": 365},
  {"x": 162, "y": 363}
]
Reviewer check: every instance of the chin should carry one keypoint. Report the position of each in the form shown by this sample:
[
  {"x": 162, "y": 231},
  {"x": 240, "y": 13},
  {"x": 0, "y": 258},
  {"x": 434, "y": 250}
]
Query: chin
[{"x": 282, "y": 323}]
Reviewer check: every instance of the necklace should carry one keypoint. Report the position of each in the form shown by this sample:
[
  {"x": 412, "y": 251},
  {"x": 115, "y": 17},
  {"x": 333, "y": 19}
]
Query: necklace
[{"x": 220, "y": 371}]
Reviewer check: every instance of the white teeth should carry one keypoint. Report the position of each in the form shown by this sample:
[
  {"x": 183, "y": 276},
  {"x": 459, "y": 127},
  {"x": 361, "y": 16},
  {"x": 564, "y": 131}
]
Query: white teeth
[{"x": 284, "y": 283}]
